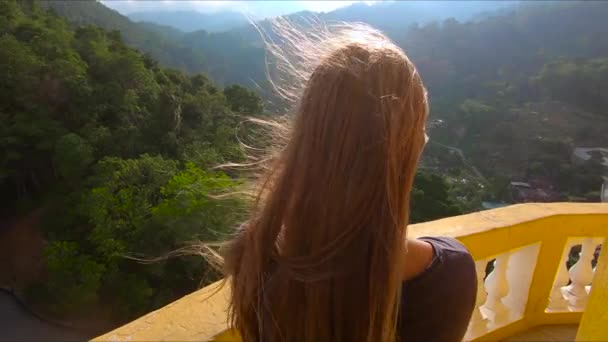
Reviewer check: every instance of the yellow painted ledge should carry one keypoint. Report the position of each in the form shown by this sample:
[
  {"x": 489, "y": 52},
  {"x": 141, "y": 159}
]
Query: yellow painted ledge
[
  {"x": 202, "y": 316},
  {"x": 482, "y": 221}
]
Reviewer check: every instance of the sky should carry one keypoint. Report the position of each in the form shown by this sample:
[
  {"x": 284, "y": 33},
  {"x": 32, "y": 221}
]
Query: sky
[{"x": 259, "y": 9}]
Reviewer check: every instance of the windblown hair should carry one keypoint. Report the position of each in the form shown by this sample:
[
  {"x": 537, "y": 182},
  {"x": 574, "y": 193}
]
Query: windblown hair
[{"x": 322, "y": 255}]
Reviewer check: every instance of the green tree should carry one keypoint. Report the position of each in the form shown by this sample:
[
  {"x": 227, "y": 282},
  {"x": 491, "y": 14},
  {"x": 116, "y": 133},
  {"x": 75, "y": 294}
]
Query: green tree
[
  {"x": 191, "y": 209},
  {"x": 116, "y": 151},
  {"x": 430, "y": 199},
  {"x": 243, "y": 100},
  {"x": 72, "y": 156},
  {"x": 74, "y": 278}
]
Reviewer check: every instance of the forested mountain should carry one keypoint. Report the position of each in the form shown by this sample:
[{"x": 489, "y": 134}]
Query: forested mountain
[
  {"x": 220, "y": 55},
  {"x": 513, "y": 90},
  {"x": 189, "y": 21},
  {"x": 162, "y": 47},
  {"x": 115, "y": 151}
]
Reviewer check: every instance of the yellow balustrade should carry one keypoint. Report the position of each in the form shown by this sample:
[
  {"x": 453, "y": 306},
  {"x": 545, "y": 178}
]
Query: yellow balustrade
[{"x": 528, "y": 245}]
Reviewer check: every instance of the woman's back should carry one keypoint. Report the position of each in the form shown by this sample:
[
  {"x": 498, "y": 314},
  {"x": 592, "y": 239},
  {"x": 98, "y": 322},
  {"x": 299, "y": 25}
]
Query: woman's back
[{"x": 324, "y": 253}]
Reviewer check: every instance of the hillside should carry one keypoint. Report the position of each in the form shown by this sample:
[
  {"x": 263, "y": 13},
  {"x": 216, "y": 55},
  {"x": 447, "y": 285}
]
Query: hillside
[
  {"x": 167, "y": 51},
  {"x": 197, "y": 52},
  {"x": 113, "y": 153},
  {"x": 512, "y": 80}
]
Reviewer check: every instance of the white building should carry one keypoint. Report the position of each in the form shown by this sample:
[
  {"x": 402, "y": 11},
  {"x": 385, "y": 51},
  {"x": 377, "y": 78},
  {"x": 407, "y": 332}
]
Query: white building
[{"x": 583, "y": 154}]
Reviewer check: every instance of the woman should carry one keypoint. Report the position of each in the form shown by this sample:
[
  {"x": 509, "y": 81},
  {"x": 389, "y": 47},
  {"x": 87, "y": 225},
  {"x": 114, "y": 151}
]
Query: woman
[{"x": 324, "y": 256}]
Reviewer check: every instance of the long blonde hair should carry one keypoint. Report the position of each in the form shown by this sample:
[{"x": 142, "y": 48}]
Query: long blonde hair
[{"x": 322, "y": 255}]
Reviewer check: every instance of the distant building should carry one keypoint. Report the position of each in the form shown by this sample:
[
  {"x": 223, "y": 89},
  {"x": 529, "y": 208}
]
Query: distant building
[
  {"x": 523, "y": 192},
  {"x": 582, "y": 155},
  {"x": 521, "y": 185}
]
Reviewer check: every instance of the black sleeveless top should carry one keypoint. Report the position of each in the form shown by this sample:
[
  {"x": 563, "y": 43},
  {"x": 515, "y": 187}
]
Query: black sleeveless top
[{"x": 437, "y": 304}]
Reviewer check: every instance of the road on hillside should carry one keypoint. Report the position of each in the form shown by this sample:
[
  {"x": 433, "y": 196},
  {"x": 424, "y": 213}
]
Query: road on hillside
[
  {"x": 464, "y": 160},
  {"x": 18, "y": 324}
]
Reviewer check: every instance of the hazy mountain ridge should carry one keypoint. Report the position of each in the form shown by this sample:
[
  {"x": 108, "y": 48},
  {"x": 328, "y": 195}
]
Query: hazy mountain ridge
[
  {"x": 383, "y": 15},
  {"x": 395, "y": 15},
  {"x": 189, "y": 21}
]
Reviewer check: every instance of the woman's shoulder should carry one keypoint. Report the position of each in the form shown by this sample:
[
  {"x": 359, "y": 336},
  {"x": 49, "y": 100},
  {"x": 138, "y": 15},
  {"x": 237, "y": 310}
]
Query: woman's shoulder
[
  {"x": 447, "y": 245},
  {"x": 452, "y": 260}
]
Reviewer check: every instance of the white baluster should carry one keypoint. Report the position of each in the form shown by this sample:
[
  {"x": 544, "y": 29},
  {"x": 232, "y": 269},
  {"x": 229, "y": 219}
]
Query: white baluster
[
  {"x": 522, "y": 265},
  {"x": 557, "y": 302},
  {"x": 477, "y": 325},
  {"x": 581, "y": 275},
  {"x": 497, "y": 287},
  {"x": 596, "y": 242}
]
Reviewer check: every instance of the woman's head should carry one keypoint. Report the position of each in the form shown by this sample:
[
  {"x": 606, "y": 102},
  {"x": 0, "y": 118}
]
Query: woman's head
[{"x": 322, "y": 256}]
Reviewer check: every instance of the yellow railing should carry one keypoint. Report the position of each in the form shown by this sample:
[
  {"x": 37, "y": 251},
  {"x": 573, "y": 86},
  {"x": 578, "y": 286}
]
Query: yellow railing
[{"x": 529, "y": 285}]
